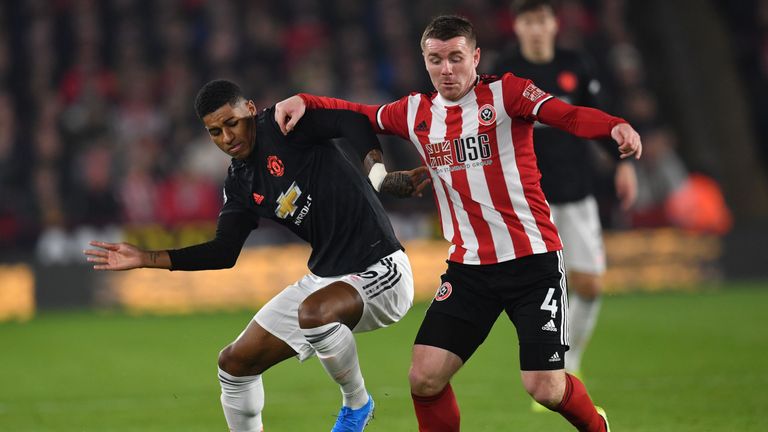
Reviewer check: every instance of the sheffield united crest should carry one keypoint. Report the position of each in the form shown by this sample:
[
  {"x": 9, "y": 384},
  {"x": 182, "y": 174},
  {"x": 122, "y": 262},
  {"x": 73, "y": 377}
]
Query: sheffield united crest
[{"x": 486, "y": 115}]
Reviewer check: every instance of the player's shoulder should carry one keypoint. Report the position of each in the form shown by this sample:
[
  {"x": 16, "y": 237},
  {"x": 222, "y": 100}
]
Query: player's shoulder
[
  {"x": 412, "y": 97},
  {"x": 266, "y": 118}
]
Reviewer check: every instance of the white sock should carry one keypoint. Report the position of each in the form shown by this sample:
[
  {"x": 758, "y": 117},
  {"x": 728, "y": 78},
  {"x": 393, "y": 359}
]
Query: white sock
[
  {"x": 243, "y": 400},
  {"x": 337, "y": 351},
  {"x": 582, "y": 317}
]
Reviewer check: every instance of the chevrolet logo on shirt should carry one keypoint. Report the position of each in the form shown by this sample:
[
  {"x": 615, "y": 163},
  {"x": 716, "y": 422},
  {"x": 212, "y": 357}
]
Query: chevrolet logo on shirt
[{"x": 286, "y": 202}]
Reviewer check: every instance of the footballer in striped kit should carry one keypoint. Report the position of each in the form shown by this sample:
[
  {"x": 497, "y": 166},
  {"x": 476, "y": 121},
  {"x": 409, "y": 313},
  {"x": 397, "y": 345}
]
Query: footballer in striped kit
[{"x": 505, "y": 252}]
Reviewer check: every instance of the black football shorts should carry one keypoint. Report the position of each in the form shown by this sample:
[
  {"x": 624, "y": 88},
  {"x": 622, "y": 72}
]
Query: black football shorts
[{"x": 532, "y": 291}]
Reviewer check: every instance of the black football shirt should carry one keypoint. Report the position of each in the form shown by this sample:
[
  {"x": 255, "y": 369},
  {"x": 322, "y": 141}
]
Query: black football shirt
[
  {"x": 303, "y": 182},
  {"x": 566, "y": 162}
]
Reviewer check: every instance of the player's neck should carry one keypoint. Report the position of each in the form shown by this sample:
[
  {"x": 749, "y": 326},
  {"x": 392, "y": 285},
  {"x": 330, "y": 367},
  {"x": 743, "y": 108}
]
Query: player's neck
[
  {"x": 472, "y": 84},
  {"x": 538, "y": 55}
]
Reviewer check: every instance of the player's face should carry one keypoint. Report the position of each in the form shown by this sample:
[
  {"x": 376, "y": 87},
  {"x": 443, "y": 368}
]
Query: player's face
[
  {"x": 536, "y": 29},
  {"x": 452, "y": 65},
  {"x": 233, "y": 129}
]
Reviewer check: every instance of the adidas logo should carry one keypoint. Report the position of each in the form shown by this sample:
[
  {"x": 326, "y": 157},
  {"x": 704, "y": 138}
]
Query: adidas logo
[
  {"x": 421, "y": 127},
  {"x": 555, "y": 357},
  {"x": 550, "y": 326}
]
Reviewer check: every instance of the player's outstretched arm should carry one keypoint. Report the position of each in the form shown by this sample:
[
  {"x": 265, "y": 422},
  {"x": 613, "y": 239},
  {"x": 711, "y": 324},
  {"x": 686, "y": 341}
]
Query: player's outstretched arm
[
  {"x": 402, "y": 184},
  {"x": 289, "y": 111},
  {"x": 591, "y": 123},
  {"x": 124, "y": 256}
]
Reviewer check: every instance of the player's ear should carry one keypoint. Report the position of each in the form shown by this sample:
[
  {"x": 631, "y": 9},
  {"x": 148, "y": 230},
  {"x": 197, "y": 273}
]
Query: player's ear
[
  {"x": 251, "y": 107},
  {"x": 476, "y": 56}
]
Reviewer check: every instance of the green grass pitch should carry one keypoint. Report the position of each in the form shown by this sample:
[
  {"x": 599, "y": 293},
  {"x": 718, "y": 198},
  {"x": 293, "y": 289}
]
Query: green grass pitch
[{"x": 662, "y": 362}]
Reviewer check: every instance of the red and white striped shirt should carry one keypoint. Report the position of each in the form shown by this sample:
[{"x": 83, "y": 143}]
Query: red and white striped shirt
[{"x": 479, "y": 150}]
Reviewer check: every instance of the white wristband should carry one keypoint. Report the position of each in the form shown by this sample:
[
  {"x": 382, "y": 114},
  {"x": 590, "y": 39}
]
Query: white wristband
[{"x": 377, "y": 174}]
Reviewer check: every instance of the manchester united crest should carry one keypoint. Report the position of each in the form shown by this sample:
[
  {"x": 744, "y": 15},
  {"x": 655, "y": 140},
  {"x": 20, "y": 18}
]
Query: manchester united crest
[
  {"x": 486, "y": 115},
  {"x": 275, "y": 166}
]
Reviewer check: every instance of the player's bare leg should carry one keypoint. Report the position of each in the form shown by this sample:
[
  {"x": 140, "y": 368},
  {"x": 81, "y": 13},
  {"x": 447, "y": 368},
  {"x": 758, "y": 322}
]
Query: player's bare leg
[
  {"x": 583, "y": 309},
  {"x": 326, "y": 318},
  {"x": 241, "y": 364},
  {"x": 565, "y": 394},
  {"x": 433, "y": 399}
]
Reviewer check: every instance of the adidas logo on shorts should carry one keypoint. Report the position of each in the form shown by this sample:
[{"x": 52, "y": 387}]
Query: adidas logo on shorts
[
  {"x": 550, "y": 326},
  {"x": 555, "y": 357}
]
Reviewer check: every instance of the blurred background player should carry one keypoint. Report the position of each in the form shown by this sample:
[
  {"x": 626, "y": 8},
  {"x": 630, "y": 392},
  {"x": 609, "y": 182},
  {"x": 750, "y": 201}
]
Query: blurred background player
[
  {"x": 567, "y": 163},
  {"x": 360, "y": 277},
  {"x": 475, "y": 134}
]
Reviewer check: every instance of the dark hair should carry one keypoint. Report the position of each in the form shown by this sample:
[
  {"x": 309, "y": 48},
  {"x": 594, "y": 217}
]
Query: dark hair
[
  {"x": 446, "y": 27},
  {"x": 214, "y": 95},
  {"x": 523, "y": 6}
]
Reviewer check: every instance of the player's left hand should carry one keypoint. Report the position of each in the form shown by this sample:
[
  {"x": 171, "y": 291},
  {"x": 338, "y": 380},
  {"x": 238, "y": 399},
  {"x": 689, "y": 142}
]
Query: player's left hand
[
  {"x": 628, "y": 140},
  {"x": 114, "y": 256},
  {"x": 626, "y": 184},
  {"x": 288, "y": 112},
  {"x": 404, "y": 184}
]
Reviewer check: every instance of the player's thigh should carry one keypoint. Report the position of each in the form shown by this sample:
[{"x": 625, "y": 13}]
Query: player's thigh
[
  {"x": 254, "y": 351},
  {"x": 538, "y": 308},
  {"x": 386, "y": 289},
  {"x": 578, "y": 224},
  {"x": 462, "y": 313},
  {"x": 337, "y": 302},
  {"x": 280, "y": 315}
]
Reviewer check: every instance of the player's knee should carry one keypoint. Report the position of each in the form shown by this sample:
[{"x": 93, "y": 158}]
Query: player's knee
[
  {"x": 237, "y": 365},
  {"x": 423, "y": 383},
  {"x": 227, "y": 361},
  {"x": 544, "y": 389},
  {"x": 314, "y": 313}
]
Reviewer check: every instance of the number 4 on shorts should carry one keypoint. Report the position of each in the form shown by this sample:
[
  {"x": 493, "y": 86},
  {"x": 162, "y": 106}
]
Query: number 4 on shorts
[{"x": 550, "y": 304}]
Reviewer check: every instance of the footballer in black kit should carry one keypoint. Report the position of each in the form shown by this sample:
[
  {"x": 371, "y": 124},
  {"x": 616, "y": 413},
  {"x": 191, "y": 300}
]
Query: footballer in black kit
[
  {"x": 567, "y": 163},
  {"x": 306, "y": 184},
  {"x": 360, "y": 278},
  {"x": 565, "y": 160}
]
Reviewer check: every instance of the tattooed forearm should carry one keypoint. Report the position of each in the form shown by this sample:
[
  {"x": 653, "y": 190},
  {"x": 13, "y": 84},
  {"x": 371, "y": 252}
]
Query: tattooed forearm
[
  {"x": 398, "y": 184},
  {"x": 373, "y": 157}
]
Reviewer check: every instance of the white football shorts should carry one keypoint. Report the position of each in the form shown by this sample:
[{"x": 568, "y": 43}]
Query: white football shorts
[
  {"x": 578, "y": 223},
  {"x": 386, "y": 288}
]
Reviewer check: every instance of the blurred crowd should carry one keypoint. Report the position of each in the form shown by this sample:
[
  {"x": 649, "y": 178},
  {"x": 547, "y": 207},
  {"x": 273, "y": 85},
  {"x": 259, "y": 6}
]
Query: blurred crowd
[
  {"x": 96, "y": 120},
  {"x": 748, "y": 22}
]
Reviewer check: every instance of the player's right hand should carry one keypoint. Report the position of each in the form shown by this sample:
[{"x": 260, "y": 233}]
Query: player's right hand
[
  {"x": 288, "y": 112},
  {"x": 114, "y": 256},
  {"x": 404, "y": 184},
  {"x": 628, "y": 141}
]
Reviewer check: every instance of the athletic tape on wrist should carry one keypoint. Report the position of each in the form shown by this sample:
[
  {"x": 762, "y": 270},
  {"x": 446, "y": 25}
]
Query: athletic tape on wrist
[{"x": 377, "y": 174}]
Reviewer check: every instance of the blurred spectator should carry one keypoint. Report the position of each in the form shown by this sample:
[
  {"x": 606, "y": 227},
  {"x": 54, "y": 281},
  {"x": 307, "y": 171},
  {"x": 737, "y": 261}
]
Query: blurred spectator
[
  {"x": 186, "y": 197},
  {"x": 660, "y": 172},
  {"x": 106, "y": 90}
]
